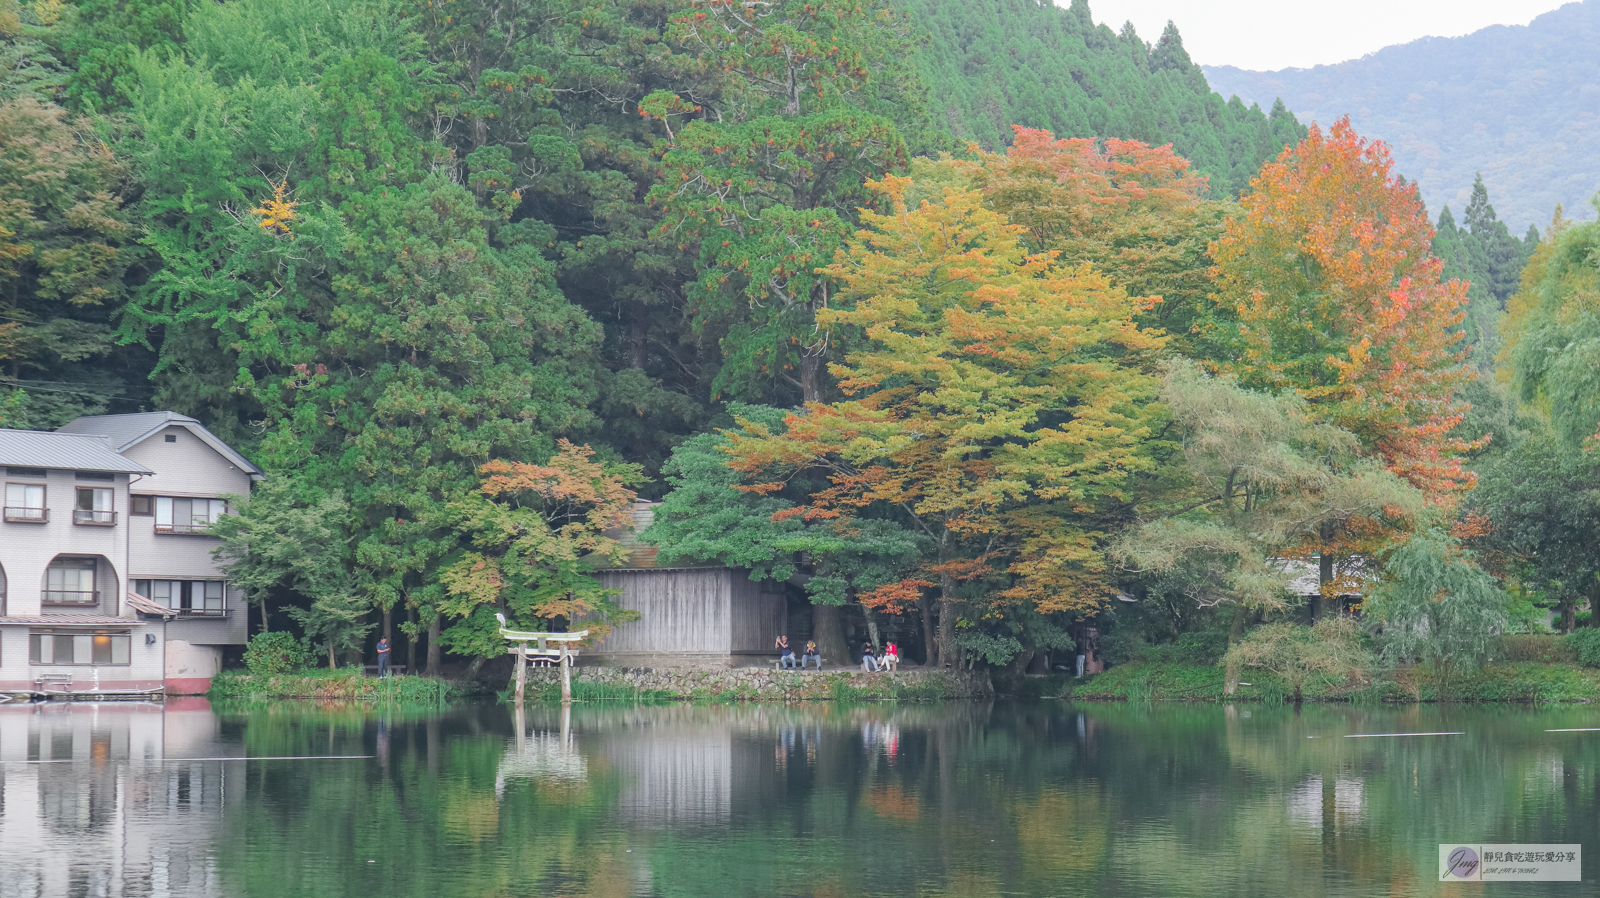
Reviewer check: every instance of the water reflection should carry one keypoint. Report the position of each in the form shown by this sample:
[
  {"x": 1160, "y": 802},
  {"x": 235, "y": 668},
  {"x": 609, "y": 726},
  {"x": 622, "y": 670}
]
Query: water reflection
[
  {"x": 96, "y": 799},
  {"x": 953, "y": 800}
]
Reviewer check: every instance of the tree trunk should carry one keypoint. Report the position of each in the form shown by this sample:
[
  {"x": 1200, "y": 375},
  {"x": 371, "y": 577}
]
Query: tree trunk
[
  {"x": 1569, "y": 610},
  {"x": 411, "y": 639},
  {"x": 1241, "y": 616},
  {"x": 811, "y": 376},
  {"x": 827, "y": 628},
  {"x": 264, "y": 625},
  {"x": 474, "y": 666},
  {"x": 433, "y": 646},
  {"x": 636, "y": 336},
  {"x": 1324, "y": 572},
  {"x": 930, "y": 649},
  {"x": 388, "y": 626},
  {"x": 947, "y": 619},
  {"x": 333, "y": 663},
  {"x": 872, "y": 628}
]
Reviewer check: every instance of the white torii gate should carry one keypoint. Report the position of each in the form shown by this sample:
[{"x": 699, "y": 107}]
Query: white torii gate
[{"x": 563, "y": 652}]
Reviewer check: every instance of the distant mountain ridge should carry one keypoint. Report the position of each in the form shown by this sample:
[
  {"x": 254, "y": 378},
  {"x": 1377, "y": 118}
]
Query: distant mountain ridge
[{"x": 1519, "y": 103}]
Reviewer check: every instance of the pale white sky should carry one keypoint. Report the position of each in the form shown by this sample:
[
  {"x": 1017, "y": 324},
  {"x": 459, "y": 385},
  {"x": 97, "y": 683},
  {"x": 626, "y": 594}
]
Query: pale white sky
[{"x": 1277, "y": 34}]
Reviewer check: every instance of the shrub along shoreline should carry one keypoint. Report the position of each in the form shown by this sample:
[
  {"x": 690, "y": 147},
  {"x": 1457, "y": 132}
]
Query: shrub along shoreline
[
  {"x": 1524, "y": 669},
  {"x": 349, "y": 683}
]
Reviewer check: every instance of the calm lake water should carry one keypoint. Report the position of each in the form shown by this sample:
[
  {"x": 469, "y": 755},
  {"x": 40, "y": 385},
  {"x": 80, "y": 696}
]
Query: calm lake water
[{"x": 925, "y": 800}]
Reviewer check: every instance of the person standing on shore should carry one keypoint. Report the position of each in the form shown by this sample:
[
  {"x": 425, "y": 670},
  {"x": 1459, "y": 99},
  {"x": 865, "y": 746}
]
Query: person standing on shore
[{"x": 383, "y": 658}]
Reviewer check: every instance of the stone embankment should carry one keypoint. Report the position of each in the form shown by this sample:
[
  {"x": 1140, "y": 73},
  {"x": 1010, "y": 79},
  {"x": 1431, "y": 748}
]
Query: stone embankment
[{"x": 757, "y": 684}]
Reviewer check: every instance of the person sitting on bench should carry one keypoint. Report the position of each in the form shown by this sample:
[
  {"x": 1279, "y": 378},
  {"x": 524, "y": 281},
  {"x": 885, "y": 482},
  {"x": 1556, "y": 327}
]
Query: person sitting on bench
[
  {"x": 891, "y": 657},
  {"x": 869, "y": 659},
  {"x": 786, "y": 654},
  {"x": 811, "y": 655}
]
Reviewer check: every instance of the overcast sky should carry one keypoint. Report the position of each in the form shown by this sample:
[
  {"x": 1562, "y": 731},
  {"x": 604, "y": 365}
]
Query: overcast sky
[{"x": 1277, "y": 34}]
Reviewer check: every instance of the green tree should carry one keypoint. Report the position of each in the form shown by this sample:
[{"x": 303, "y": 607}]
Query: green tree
[
  {"x": 1436, "y": 605},
  {"x": 1552, "y": 331},
  {"x": 1542, "y": 501},
  {"x": 65, "y": 246},
  {"x": 1330, "y": 648},
  {"x": 278, "y": 538},
  {"x": 766, "y": 176},
  {"x": 1260, "y": 477}
]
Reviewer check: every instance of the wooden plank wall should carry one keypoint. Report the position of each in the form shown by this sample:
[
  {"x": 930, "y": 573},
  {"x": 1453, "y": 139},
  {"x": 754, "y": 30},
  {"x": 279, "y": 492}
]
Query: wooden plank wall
[
  {"x": 684, "y": 610},
  {"x": 758, "y": 616}
]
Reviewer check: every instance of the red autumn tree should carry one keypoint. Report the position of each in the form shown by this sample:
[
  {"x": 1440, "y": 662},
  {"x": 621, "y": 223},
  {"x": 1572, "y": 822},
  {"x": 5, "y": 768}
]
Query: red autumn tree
[{"x": 1328, "y": 271}]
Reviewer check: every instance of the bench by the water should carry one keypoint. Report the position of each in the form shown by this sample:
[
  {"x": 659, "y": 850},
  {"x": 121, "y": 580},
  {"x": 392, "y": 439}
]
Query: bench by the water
[
  {"x": 372, "y": 669},
  {"x": 777, "y": 663},
  {"x": 54, "y": 682}
]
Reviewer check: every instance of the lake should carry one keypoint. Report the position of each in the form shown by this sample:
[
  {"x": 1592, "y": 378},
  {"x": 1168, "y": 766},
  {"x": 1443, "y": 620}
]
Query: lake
[{"x": 822, "y": 800}]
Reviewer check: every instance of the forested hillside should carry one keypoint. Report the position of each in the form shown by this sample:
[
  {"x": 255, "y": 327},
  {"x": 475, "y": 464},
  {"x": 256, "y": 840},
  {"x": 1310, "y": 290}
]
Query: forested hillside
[
  {"x": 992, "y": 64},
  {"x": 1515, "y": 103},
  {"x": 468, "y": 277}
]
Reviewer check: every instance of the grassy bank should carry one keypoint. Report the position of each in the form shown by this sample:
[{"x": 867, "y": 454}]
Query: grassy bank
[
  {"x": 725, "y": 685},
  {"x": 349, "y": 684},
  {"x": 1509, "y": 681}
]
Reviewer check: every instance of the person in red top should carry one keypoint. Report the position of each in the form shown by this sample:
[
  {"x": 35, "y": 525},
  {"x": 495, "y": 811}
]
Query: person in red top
[{"x": 891, "y": 656}]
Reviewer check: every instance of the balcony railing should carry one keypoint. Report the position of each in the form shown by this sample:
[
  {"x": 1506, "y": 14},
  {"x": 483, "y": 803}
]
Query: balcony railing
[
  {"x": 24, "y": 515},
  {"x": 201, "y": 612},
  {"x": 192, "y": 529},
  {"x": 87, "y": 518},
  {"x": 70, "y": 597}
]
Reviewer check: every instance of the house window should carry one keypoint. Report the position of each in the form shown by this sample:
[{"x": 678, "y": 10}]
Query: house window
[
  {"x": 187, "y": 515},
  {"x": 97, "y": 475},
  {"x": 70, "y": 581},
  {"x": 94, "y": 506},
  {"x": 26, "y": 472},
  {"x": 196, "y": 597},
  {"x": 25, "y": 503},
  {"x": 143, "y": 506},
  {"x": 99, "y": 648}
]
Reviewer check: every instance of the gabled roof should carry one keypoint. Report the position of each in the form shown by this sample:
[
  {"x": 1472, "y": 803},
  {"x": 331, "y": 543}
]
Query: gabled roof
[
  {"x": 73, "y": 452},
  {"x": 127, "y": 431}
]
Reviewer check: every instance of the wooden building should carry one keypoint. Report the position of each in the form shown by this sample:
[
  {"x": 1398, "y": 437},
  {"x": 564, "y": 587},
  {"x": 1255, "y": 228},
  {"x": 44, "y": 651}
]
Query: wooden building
[{"x": 688, "y": 616}]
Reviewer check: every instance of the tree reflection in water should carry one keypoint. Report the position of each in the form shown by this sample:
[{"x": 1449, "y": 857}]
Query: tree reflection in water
[{"x": 684, "y": 800}]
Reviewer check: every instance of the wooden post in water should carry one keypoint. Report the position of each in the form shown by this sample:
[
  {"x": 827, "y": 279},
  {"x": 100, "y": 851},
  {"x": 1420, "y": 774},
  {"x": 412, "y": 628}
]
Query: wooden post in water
[
  {"x": 566, "y": 675},
  {"x": 522, "y": 670}
]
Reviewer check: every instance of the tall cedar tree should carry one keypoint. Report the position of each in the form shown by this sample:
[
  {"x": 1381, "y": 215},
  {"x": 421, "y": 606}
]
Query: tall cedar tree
[
  {"x": 766, "y": 176},
  {"x": 996, "y": 398}
]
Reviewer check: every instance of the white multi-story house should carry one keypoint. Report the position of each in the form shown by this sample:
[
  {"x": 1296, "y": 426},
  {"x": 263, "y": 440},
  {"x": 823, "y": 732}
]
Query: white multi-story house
[{"x": 106, "y": 577}]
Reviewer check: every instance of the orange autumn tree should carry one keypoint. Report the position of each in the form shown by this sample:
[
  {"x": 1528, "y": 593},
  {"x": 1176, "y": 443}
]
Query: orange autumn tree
[
  {"x": 1327, "y": 275},
  {"x": 536, "y": 534},
  {"x": 997, "y": 400},
  {"x": 1139, "y": 213}
]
